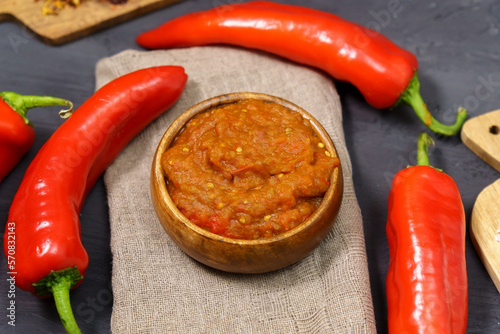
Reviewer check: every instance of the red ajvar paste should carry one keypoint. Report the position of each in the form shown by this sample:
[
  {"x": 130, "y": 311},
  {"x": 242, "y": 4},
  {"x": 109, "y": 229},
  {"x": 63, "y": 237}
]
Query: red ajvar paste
[{"x": 248, "y": 170}]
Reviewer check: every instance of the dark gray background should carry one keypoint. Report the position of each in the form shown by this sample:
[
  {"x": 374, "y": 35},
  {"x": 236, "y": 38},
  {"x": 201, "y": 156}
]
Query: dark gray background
[{"x": 458, "y": 47}]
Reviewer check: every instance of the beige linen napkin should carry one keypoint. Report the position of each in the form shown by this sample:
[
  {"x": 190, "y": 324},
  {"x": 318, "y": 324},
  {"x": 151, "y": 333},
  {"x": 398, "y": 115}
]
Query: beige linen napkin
[{"x": 159, "y": 289}]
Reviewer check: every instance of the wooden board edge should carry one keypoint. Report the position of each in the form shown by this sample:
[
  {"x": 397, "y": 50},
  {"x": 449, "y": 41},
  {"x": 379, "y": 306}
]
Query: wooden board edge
[
  {"x": 107, "y": 23},
  {"x": 484, "y": 260},
  {"x": 477, "y": 149},
  {"x": 474, "y": 232}
]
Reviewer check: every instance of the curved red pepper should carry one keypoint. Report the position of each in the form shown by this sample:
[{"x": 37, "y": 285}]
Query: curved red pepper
[
  {"x": 42, "y": 238},
  {"x": 16, "y": 132},
  {"x": 427, "y": 278},
  {"x": 383, "y": 72}
]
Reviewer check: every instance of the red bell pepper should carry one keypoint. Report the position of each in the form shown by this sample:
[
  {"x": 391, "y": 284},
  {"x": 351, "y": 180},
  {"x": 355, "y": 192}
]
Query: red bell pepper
[
  {"x": 427, "y": 278},
  {"x": 383, "y": 72},
  {"x": 42, "y": 239},
  {"x": 16, "y": 131}
]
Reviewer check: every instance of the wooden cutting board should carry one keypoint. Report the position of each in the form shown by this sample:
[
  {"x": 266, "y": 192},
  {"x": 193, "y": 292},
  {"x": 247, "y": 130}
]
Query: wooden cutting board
[
  {"x": 72, "y": 23},
  {"x": 482, "y": 135},
  {"x": 485, "y": 229}
]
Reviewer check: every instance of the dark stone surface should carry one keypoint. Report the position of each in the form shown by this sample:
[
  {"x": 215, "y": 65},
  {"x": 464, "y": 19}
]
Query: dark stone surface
[{"x": 457, "y": 44}]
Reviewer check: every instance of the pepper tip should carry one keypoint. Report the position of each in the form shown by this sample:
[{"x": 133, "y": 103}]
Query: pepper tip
[{"x": 65, "y": 113}]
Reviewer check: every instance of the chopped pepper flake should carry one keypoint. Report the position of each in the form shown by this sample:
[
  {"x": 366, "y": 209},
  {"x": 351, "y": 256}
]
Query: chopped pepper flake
[
  {"x": 288, "y": 130},
  {"x": 239, "y": 150},
  {"x": 186, "y": 149},
  {"x": 53, "y": 7},
  {"x": 321, "y": 145}
]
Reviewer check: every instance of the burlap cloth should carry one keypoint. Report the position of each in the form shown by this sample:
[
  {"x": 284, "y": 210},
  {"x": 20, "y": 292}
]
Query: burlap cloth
[{"x": 159, "y": 289}]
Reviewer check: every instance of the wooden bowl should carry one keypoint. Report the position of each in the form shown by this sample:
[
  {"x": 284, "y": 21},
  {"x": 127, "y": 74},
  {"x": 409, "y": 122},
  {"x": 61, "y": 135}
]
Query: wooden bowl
[{"x": 236, "y": 255}]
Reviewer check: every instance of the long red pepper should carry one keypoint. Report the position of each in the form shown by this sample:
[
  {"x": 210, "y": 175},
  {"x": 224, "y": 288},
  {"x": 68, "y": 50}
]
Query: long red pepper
[
  {"x": 427, "y": 278},
  {"x": 42, "y": 239},
  {"x": 383, "y": 72},
  {"x": 16, "y": 131}
]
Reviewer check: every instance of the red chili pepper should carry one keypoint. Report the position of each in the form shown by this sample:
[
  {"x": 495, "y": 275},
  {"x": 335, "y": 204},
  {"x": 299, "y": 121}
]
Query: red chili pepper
[
  {"x": 427, "y": 279},
  {"x": 42, "y": 240},
  {"x": 16, "y": 132},
  {"x": 383, "y": 72}
]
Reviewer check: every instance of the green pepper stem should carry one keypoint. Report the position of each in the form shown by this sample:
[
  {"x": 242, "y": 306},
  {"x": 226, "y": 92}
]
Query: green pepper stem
[
  {"x": 21, "y": 103},
  {"x": 59, "y": 283},
  {"x": 424, "y": 141},
  {"x": 63, "y": 305},
  {"x": 412, "y": 97}
]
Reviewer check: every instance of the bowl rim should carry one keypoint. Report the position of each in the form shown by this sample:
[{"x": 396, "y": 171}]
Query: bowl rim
[{"x": 210, "y": 103}]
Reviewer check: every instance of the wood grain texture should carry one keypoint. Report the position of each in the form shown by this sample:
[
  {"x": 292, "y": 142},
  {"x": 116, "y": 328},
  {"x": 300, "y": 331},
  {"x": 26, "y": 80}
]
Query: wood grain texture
[
  {"x": 485, "y": 230},
  {"x": 481, "y": 134},
  {"x": 72, "y": 23}
]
